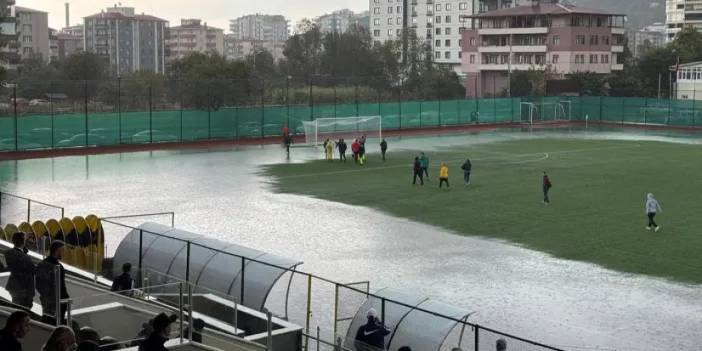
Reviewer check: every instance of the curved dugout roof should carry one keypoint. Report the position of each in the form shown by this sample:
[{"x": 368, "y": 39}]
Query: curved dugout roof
[
  {"x": 215, "y": 266},
  {"x": 408, "y": 326}
]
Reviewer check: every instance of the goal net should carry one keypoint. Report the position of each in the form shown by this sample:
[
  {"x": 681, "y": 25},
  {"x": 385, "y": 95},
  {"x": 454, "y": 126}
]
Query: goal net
[
  {"x": 321, "y": 129},
  {"x": 543, "y": 112}
]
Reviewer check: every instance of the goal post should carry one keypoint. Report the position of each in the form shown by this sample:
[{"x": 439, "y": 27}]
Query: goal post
[
  {"x": 546, "y": 111},
  {"x": 320, "y": 129}
]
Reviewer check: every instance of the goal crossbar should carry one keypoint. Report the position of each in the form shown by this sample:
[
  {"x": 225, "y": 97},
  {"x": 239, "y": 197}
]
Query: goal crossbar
[{"x": 319, "y": 129}]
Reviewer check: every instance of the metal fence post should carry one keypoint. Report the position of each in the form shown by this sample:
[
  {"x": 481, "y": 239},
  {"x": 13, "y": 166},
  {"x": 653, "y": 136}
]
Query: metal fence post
[
  {"x": 119, "y": 108},
  {"x": 190, "y": 313},
  {"x": 311, "y": 100},
  {"x": 151, "y": 116},
  {"x": 180, "y": 311},
  {"x": 141, "y": 247},
  {"x": 243, "y": 279},
  {"x": 51, "y": 111},
  {"x": 382, "y": 310},
  {"x": 58, "y": 316},
  {"x": 318, "y": 338},
  {"x": 308, "y": 310},
  {"x": 187, "y": 265},
  {"x": 356, "y": 97},
  {"x": 477, "y": 338},
  {"x": 209, "y": 111},
  {"x": 263, "y": 107},
  {"x": 29, "y": 211},
  {"x": 14, "y": 112},
  {"x": 269, "y": 328},
  {"x": 85, "y": 88},
  {"x": 336, "y": 306}
]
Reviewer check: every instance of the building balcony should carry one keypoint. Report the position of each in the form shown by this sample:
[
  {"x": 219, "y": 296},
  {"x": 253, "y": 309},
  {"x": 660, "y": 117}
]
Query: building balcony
[
  {"x": 507, "y": 31},
  {"x": 618, "y": 30},
  {"x": 617, "y": 48},
  {"x": 508, "y": 67},
  {"x": 514, "y": 48},
  {"x": 617, "y": 67}
]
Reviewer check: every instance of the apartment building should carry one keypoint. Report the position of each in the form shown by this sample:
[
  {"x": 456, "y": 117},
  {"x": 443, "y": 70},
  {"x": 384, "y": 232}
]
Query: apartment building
[
  {"x": 653, "y": 36},
  {"x": 53, "y": 45},
  {"x": 438, "y": 22},
  {"x": 69, "y": 41},
  {"x": 9, "y": 59},
  {"x": 682, "y": 13},
  {"x": 194, "y": 36},
  {"x": 556, "y": 37},
  {"x": 130, "y": 41},
  {"x": 268, "y": 32},
  {"x": 340, "y": 21},
  {"x": 32, "y": 33}
]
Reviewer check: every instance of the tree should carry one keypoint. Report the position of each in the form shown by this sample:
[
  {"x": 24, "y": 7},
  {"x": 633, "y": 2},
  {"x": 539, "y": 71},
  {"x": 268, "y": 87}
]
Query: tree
[
  {"x": 589, "y": 83},
  {"x": 654, "y": 68},
  {"x": 262, "y": 64},
  {"x": 303, "y": 52},
  {"x": 85, "y": 66}
]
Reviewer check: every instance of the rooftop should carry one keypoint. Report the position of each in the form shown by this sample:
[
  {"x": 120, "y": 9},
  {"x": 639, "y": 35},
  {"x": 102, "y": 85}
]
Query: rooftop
[
  {"x": 26, "y": 9},
  {"x": 545, "y": 9},
  {"x": 116, "y": 15}
]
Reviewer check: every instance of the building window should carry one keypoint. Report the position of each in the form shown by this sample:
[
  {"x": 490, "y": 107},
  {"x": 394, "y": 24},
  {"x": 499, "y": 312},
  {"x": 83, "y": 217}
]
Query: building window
[
  {"x": 463, "y": 6},
  {"x": 460, "y": 43},
  {"x": 399, "y": 9},
  {"x": 447, "y": 54},
  {"x": 580, "y": 39},
  {"x": 448, "y": 7},
  {"x": 556, "y": 40},
  {"x": 447, "y": 42},
  {"x": 438, "y": 31},
  {"x": 437, "y": 43},
  {"x": 438, "y": 7},
  {"x": 389, "y": 20},
  {"x": 471, "y": 59},
  {"x": 376, "y": 1},
  {"x": 27, "y": 39},
  {"x": 376, "y": 33},
  {"x": 472, "y": 41},
  {"x": 390, "y": 31},
  {"x": 398, "y": 20},
  {"x": 376, "y": 10},
  {"x": 390, "y": 9},
  {"x": 398, "y": 32},
  {"x": 376, "y": 21},
  {"x": 593, "y": 40},
  {"x": 438, "y": 19},
  {"x": 555, "y": 59},
  {"x": 447, "y": 31},
  {"x": 605, "y": 59},
  {"x": 437, "y": 54},
  {"x": 460, "y": 54},
  {"x": 430, "y": 8},
  {"x": 605, "y": 40},
  {"x": 448, "y": 19},
  {"x": 430, "y": 20},
  {"x": 414, "y": 20}
]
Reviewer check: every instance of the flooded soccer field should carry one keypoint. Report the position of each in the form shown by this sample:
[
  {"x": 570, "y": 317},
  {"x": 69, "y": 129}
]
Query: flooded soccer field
[{"x": 226, "y": 194}]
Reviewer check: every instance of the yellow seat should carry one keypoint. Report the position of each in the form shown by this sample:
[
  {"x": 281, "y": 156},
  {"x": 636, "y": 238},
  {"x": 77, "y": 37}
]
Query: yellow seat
[
  {"x": 98, "y": 237},
  {"x": 10, "y": 230},
  {"x": 55, "y": 231},
  {"x": 85, "y": 250},
  {"x": 43, "y": 237},
  {"x": 69, "y": 232}
]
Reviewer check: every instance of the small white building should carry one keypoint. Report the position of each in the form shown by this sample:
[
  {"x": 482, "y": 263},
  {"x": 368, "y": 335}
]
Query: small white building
[{"x": 688, "y": 85}]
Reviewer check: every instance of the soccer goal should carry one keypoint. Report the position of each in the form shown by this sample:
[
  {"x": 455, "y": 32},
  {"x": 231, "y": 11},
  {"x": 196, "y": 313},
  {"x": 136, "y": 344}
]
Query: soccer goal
[
  {"x": 317, "y": 131},
  {"x": 546, "y": 111}
]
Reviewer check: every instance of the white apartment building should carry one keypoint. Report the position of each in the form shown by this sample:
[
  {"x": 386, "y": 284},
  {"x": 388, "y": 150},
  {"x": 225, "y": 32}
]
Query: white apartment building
[
  {"x": 193, "y": 36},
  {"x": 439, "y": 22},
  {"x": 32, "y": 33},
  {"x": 682, "y": 13},
  {"x": 340, "y": 21}
]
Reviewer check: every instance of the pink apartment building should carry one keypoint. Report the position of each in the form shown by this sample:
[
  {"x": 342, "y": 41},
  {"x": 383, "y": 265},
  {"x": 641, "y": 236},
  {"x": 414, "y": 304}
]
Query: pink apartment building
[{"x": 556, "y": 37}]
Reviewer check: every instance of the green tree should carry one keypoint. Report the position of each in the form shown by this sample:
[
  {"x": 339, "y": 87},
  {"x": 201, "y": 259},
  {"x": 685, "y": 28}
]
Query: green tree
[
  {"x": 589, "y": 83},
  {"x": 262, "y": 64},
  {"x": 85, "y": 66},
  {"x": 654, "y": 68},
  {"x": 303, "y": 52}
]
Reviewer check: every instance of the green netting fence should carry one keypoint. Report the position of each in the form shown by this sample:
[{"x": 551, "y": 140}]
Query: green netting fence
[{"x": 138, "y": 117}]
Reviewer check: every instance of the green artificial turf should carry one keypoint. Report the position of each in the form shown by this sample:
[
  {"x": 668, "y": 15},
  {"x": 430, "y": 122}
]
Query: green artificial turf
[{"x": 597, "y": 211}]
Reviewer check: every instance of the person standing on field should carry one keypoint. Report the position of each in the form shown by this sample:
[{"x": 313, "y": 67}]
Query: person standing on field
[
  {"x": 383, "y": 148},
  {"x": 341, "y": 145},
  {"x": 329, "y": 150},
  {"x": 424, "y": 162},
  {"x": 652, "y": 208},
  {"x": 443, "y": 175},
  {"x": 546, "y": 187},
  {"x": 466, "y": 167},
  {"x": 355, "y": 147},
  {"x": 417, "y": 171}
]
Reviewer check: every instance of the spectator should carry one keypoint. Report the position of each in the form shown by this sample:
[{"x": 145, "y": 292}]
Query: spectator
[
  {"x": 371, "y": 336},
  {"x": 16, "y": 328},
  {"x": 88, "y": 339},
  {"x": 160, "y": 334},
  {"x": 46, "y": 284},
  {"x": 124, "y": 283},
  {"x": 20, "y": 285},
  {"x": 501, "y": 345},
  {"x": 62, "y": 339}
]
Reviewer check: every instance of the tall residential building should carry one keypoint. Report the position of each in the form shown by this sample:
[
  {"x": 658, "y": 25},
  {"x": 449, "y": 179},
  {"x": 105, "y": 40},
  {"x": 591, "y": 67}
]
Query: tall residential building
[
  {"x": 438, "y": 22},
  {"x": 9, "y": 58},
  {"x": 53, "y": 45},
  {"x": 556, "y": 37},
  {"x": 682, "y": 13},
  {"x": 32, "y": 33},
  {"x": 70, "y": 41},
  {"x": 267, "y": 32},
  {"x": 193, "y": 36},
  {"x": 653, "y": 36},
  {"x": 239, "y": 49},
  {"x": 340, "y": 21},
  {"x": 131, "y": 42}
]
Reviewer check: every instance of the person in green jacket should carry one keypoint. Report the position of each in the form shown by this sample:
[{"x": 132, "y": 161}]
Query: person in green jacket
[{"x": 424, "y": 163}]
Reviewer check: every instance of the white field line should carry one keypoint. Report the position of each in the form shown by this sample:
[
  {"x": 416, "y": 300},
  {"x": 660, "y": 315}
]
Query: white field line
[{"x": 539, "y": 156}]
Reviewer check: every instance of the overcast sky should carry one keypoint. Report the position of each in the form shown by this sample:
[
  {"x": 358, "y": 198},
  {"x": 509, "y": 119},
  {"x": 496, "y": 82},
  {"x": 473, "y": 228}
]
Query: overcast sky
[{"x": 215, "y": 12}]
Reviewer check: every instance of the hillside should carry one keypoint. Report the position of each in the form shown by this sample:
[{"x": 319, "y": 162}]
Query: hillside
[{"x": 640, "y": 13}]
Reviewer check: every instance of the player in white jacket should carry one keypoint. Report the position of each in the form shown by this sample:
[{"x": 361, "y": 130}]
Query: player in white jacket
[{"x": 652, "y": 207}]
